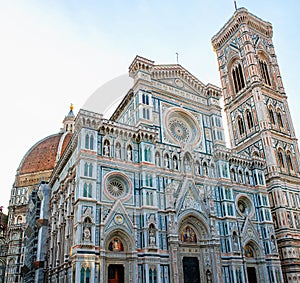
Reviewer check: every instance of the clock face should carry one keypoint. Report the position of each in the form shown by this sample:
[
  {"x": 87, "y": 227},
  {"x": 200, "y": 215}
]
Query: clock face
[{"x": 182, "y": 127}]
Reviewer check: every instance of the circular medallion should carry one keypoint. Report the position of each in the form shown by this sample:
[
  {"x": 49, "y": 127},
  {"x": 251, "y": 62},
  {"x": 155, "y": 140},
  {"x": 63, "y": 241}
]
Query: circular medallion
[
  {"x": 119, "y": 219},
  {"x": 179, "y": 83}
]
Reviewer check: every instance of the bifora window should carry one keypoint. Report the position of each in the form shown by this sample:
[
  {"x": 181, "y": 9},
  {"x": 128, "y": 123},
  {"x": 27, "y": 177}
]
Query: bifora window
[
  {"x": 264, "y": 72},
  {"x": 238, "y": 77}
]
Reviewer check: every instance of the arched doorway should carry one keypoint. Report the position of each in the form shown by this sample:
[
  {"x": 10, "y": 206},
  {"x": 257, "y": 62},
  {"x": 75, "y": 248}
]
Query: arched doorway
[
  {"x": 119, "y": 258},
  {"x": 194, "y": 254},
  {"x": 252, "y": 268}
]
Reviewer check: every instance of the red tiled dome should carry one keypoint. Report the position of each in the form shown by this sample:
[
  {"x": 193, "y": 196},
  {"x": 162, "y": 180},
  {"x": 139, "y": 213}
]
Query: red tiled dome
[{"x": 43, "y": 155}]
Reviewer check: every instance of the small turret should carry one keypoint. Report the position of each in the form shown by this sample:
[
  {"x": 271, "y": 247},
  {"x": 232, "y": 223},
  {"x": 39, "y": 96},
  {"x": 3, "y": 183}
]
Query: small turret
[{"x": 69, "y": 121}]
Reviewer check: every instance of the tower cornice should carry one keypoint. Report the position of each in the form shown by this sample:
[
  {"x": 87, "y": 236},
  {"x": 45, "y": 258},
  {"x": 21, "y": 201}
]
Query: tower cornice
[{"x": 240, "y": 17}]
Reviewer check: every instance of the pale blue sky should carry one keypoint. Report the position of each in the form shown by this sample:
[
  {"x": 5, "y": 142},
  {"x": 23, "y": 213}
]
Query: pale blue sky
[{"x": 53, "y": 53}]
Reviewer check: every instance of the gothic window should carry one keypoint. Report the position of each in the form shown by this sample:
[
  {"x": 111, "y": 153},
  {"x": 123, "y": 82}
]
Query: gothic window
[
  {"x": 280, "y": 159},
  {"x": 264, "y": 72},
  {"x": 146, "y": 114},
  {"x": 238, "y": 77},
  {"x": 279, "y": 119},
  {"x": 87, "y": 190},
  {"x": 147, "y": 153},
  {"x": 85, "y": 274},
  {"x": 289, "y": 161},
  {"x": 145, "y": 99},
  {"x": 271, "y": 115},
  {"x": 90, "y": 170},
  {"x": 106, "y": 148},
  {"x": 241, "y": 125},
  {"x": 91, "y": 142},
  {"x": 149, "y": 198},
  {"x": 148, "y": 180},
  {"x": 129, "y": 153},
  {"x": 116, "y": 245},
  {"x": 249, "y": 119},
  {"x": 152, "y": 275},
  {"x": 87, "y": 141},
  {"x": 86, "y": 169},
  {"x": 188, "y": 235}
]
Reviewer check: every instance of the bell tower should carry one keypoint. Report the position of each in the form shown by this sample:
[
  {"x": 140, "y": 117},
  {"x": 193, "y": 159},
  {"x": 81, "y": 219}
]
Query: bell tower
[{"x": 259, "y": 122}]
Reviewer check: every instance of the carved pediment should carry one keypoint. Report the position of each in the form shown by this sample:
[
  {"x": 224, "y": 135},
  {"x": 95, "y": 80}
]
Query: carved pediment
[
  {"x": 118, "y": 218},
  {"x": 177, "y": 76},
  {"x": 189, "y": 198}
]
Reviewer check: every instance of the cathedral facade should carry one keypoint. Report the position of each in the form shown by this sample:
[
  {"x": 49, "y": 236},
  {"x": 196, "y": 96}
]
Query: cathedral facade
[{"x": 153, "y": 195}]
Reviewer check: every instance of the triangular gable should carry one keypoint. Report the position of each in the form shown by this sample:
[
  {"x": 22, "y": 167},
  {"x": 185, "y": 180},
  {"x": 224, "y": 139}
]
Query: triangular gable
[
  {"x": 177, "y": 76},
  {"x": 249, "y": 232},
  {"x": 118, "y": 218},
  {"x": 189, "y": 198}
]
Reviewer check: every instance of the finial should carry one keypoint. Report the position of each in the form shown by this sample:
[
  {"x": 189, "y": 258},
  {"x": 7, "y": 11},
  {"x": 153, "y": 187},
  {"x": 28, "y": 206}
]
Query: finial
[
  {"x": 71, "y": 107},
  {"x": 235, "y": 6},
  {"x": 177, "y": 57}
]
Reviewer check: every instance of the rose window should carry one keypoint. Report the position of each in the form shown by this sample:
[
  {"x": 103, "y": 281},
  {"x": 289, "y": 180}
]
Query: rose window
[
  {"x": 117, "y": 185},
  {"x": 179, "y": 130},
  {"x": 245, "y": 205},
  {"x": 182, "y": 127},
  {"x": 115, "y": 188}
]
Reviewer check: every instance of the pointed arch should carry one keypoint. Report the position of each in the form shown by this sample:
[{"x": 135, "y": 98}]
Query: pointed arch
[
  {"x": 279, "y": 118},
  {"x": 91, "y": 142},
  {"x": 289, "y": 160},
  {"x": 237, "y": 76},
  {"x": 264, "y": 68},
  {"x": 87, "y": 141},
  {"x": 280, "y": 158},
  {"x": 271, "y": 115},
  {"x": 240, "y": 124},
  {"x": 249, "y": 118}
]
